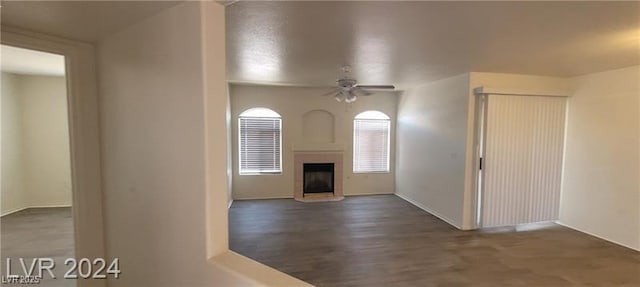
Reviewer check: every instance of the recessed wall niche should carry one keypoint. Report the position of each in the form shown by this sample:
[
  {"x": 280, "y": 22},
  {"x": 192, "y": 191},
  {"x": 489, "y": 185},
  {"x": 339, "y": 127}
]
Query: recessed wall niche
[{"x": 318, "y": 127}]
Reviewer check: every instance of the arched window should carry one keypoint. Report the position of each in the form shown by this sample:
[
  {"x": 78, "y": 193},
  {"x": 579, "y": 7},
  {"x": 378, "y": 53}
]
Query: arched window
[
  {"x": 371, "y": 142},
  {"x": 260, "y": 137}
]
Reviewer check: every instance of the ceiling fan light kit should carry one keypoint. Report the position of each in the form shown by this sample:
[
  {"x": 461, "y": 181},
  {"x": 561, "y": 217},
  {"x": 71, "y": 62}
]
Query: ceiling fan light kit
[{"x": 348, "y": 89}]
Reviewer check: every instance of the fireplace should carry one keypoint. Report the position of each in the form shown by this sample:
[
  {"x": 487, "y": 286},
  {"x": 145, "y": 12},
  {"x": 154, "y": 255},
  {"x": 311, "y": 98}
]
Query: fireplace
[{"x": 318, "y": 177}]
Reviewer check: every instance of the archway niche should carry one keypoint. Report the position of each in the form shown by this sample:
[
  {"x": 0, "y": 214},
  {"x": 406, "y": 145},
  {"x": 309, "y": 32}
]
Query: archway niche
[{"x": 318, "y": 127}]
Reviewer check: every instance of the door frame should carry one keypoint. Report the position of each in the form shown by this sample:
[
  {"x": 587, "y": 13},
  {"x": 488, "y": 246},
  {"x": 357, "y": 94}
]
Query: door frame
[
  {"x": 481, "y": 102},
  {"x": 84, "y": 138}
]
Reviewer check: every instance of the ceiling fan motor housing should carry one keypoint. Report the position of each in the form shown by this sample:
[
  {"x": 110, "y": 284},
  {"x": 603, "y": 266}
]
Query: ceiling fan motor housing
[{"x": 346, "y": 83}]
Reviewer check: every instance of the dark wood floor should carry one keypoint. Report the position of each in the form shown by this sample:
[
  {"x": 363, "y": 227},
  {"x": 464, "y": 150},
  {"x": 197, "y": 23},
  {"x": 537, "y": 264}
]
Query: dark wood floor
[
  {"x": 385, "y": 241},
  {"x": 37, "y": 233}
]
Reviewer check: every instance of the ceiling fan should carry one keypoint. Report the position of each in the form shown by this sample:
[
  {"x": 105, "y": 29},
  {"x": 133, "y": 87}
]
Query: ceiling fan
[{"x": 348, "y": 89}]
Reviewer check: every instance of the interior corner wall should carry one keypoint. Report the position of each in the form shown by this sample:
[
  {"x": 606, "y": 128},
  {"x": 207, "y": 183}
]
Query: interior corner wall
[
  {"x": 431, "y": 147},
  {"x": 36, "y": 154},
  {"x": 12, "y": 194},
  {"x": 292, "y": 103},
  {"x": 601, "y": 180},
  {"x": 152, "y": 113}
]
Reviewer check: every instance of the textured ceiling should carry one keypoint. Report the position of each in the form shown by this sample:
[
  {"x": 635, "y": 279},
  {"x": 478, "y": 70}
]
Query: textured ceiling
[
  {"x": 401, "y": 43},
  {"x": 404, "y": 43},
  {"x": 86, "y": 21}
]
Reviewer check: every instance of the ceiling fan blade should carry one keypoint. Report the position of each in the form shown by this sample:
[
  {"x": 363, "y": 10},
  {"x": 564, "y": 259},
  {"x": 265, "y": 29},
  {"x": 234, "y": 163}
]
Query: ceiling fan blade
[
  {"x": 361, "y": 92},
  {"x": 377, "y": 87},
  {"x": 332, "y": 92}
]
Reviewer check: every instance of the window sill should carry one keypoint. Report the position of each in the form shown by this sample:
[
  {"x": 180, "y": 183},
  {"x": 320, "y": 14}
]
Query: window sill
[
  {"x": 261, "y": 173},
  {"x": 371, "y": 172}
]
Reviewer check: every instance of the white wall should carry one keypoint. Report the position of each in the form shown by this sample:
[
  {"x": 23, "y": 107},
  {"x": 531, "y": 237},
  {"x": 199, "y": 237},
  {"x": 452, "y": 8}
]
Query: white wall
[
  {"x": 431, "y": 153},
  {"x": 292, "y": 103},
  {"x": 601, "y": 183},
  {"x": 36, "y": 160},
  {"x": 153, "y": 149},
  {"x": 163, "y": 107},
  {"x": 46, "y": 140},
  {"x": 12, "y": 194}
]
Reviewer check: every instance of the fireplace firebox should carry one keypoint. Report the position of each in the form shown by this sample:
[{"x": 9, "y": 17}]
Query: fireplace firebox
[{"x": 318, "y": 177}]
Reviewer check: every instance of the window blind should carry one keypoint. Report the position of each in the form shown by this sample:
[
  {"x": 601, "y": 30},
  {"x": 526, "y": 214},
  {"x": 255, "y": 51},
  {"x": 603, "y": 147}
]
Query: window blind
[
  {"x": 370, "y": 145},
  {"x": 260, "y": 149}
]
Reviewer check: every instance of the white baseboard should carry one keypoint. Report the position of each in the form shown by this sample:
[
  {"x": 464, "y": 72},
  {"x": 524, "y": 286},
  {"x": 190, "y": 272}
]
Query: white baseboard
[
  {"x": 443, "y": 218},
  {"x": 230, "y": 202},
  {"x": 597, "y": 236},
  {"x": 371, "y": 193},
  {"x": 32, "y": 206},
  {"x": 265, "y": 197}
]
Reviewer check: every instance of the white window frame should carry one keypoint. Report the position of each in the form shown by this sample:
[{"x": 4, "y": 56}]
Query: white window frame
[
  {"x": 258, "y": 113},
  {"x": 372, "y": 115}
]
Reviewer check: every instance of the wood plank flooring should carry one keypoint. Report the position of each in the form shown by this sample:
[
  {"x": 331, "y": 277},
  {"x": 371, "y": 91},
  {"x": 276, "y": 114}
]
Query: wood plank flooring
[
  {"x": 36, "y": 233},
  {"x": 386, "y": 241}
]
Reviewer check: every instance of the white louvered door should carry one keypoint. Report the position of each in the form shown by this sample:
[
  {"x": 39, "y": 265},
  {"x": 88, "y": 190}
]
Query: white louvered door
[{"x": 522, "y": 162}]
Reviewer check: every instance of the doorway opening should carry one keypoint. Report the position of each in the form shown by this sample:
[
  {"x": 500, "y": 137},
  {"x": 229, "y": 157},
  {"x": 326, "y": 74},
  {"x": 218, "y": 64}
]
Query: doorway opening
[{"x": 36, "y": 177}]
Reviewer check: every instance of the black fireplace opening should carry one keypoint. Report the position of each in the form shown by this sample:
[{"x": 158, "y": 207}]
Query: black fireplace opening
[{"x": 318, "y": 177}]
